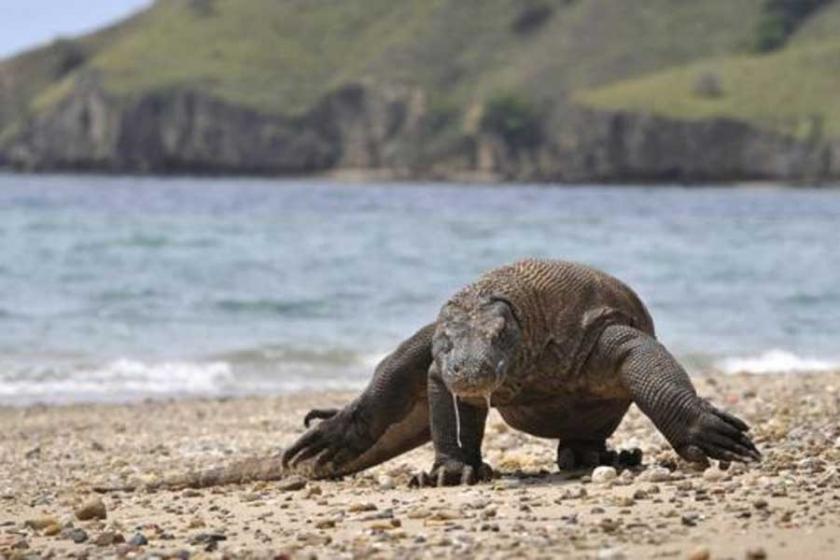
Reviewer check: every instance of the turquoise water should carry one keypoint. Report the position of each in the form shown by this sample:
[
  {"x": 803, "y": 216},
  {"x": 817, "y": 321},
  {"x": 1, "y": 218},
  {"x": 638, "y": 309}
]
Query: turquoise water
[{"x": 119, "y": 288}]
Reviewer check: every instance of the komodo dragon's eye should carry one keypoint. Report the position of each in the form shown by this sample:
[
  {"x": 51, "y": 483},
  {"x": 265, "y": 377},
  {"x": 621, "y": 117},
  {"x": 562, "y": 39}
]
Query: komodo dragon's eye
[
  {"x": 441, "y": 344},
  {"x": 495, "y": 328}
]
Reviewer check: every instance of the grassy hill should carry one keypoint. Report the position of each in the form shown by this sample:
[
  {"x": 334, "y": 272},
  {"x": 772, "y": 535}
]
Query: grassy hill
[
  {"x": 795, "y": 90},
  {"x": 683, "y": 60},
  {"x": 281, "y": 56}
]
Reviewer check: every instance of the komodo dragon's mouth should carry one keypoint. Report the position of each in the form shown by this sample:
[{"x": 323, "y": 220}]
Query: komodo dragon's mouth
[{"x": 472, "y": 386}]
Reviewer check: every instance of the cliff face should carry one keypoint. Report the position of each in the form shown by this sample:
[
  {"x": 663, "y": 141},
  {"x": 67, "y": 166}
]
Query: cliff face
[
  {"x": 359, "y": 128},
  {"x": 185, "y": 131},
  {"x": 600, "y": 146}
]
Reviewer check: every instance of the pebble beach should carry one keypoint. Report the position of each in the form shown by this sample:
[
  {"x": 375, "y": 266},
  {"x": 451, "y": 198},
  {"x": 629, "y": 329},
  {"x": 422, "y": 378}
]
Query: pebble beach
[{"x": 51, "y": 457}]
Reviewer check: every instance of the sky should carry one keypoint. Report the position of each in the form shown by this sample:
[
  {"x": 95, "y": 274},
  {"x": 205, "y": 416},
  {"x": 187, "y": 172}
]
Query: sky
[{"x": 28, "y": 23}]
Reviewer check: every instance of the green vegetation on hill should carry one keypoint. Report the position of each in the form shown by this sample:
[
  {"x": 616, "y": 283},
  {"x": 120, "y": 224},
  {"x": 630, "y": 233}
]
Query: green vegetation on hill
[
  {"x": 824, "y": 25},
  {"x": 25, "y": 77},
  {"x": 792, "y": 90},
  {"x": 795, "y": 91},
  {"x": 514, "y": 119},
  {"x": 281, "y": 57},
  {"x": 779, "y": 20}
]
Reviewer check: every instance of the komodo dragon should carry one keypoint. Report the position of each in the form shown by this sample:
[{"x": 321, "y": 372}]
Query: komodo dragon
[{"x": 559, "y": 348}]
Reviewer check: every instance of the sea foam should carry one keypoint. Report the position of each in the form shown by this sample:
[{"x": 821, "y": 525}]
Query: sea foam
[
  {"x": 118, "y": 380},
  {"x": 775, "y": 361}
]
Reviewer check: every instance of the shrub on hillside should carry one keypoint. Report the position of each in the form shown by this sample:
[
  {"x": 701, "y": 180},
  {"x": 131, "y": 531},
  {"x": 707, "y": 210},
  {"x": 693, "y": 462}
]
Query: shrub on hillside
[
  {"x": 779, "y": 20},
  {"x": 69, "y": 56},
  {"x": 708, "y": 85},
  {"x": 514, "y": 119},
  {"x": 531, "y": 17}
]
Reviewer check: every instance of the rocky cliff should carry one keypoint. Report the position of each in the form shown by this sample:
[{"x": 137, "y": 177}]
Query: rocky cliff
[
  {"x": 583, "y": 145},
  {"x": 176, "y": 131},
  {"x": 358, "y": 128}
]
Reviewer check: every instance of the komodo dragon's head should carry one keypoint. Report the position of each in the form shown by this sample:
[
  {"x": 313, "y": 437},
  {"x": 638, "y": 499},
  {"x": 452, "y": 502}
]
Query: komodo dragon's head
[{"x": 474, "y": 344}]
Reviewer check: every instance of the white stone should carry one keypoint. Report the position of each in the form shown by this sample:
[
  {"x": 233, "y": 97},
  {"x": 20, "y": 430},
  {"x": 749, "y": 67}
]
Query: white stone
[
  {"x": 604, "y": 475},
  {"x": 611, "y": 554},
  {"x": 386, "y": 482},
  {"x": 655, "y": 474},
  {"x": 713, "y": 475}
]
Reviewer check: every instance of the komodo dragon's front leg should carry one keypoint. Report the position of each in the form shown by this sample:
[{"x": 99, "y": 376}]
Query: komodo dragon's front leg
[
  {"x": 457, "y": 435},
  {"x": 389, "y": 418},
  {"x": 661, "y": 388}
]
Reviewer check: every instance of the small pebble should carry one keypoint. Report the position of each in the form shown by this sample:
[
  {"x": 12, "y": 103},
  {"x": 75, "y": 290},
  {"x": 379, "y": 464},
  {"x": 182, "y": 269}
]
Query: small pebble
[
  {"x": 690, "y": 518},
  {"x": 756, "y": 553},
  {"x": 611, "y": 554},
  {"x": 444, "y": 515},
  {"x": 313, "y": 490},
  {"x": 609, "y": 525},
  {"x": 76, "y": 535},
  {"x": 138, "y": 539},
  {"x": 419, "y": 513},
  {"x": 92, "y": 509},
  {"x": 625, "y": 501},
  {"x": 655, "y": 474},
  {"x": 701, "y": 553},
  {"x": 359, "y": 507},
  {"x": 604, "y": 475},
  {"x": 40, "y": 523},
  {"x": 626, "y": 477},
  {"x": 386, "y": 482},
  {"x": 713, "y": 475},
  {"x": 108, "y": 538},
  {"x": 291, "y": 484}
]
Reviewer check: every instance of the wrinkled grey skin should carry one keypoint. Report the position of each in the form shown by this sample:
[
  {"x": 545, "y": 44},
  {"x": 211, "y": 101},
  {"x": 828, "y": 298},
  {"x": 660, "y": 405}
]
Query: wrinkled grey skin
[
  {"x": 560, "y": 349},
  {"x": 473, "y": 351}
]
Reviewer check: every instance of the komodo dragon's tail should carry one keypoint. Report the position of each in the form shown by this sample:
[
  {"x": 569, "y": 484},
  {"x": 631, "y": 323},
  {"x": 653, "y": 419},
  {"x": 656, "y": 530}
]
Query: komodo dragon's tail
[
  {"x": 395, "y": 401},
  {"x": 248, "y": 470}
]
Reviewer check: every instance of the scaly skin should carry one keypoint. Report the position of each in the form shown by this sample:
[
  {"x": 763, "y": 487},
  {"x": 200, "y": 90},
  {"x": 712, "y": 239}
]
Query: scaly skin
[
  {"x": 562, "y": 350},
  {"x": 241, "y": 472}
]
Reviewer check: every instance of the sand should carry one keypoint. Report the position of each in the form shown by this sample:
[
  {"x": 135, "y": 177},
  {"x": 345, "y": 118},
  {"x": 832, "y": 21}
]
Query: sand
[{"x": 786, "y": 507}]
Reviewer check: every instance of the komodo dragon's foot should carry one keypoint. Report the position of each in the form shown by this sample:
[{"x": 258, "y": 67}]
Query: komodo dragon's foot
[
  {"x": 452, "y": 472},
  {"x": 326, "y": 447},
  {"x": 572, "y": 455},
  {"x": 712, "y": 433}
]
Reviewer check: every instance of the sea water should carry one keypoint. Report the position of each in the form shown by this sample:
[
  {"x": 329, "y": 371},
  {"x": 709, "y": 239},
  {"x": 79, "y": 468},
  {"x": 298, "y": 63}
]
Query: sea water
[{"x": 117, "y": 288}]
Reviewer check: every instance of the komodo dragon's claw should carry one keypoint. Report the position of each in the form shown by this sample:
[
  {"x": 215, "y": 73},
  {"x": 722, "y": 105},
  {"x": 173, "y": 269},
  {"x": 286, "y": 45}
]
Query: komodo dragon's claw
[
  {"x": 319, "y": 414},
  {"x": 452, "y": 473}
]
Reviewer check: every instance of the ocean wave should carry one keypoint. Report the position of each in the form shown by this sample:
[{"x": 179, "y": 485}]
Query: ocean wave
[
  {"x": 270, "y": 370},
  {"x": 775, "y": 361},
  {"x": 328, "y": 357},
  {"x": 250, "y": 372},
  {"x": 118, "y": 380}
]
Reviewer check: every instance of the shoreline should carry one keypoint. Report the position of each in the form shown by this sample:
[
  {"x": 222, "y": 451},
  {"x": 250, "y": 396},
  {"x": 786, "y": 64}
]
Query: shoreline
[
  {"x": 786, "y": 507},
  {"x": 140, "y": 398},
  {"x": 352, "y": 177}
]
